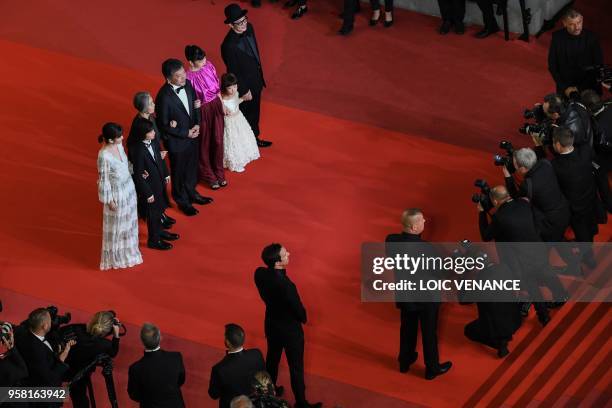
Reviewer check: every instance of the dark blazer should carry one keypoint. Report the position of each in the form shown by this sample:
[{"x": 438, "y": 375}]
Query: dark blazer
[
  {"x": 241, "y": 57},
  {"x": 155, "y": 380},
  {"x": 430, "y": 300},
  {"x": 512, "y": 222},
  {"x": 168, "y": 107},
  {"x": 234, "y": 375},
  {"x": 154, "y": 185},
  {"x": 569, "y": 55},
  {"x": 575, "y": 174},
  {"x": 87, "y": 349},
  {"x": 44, "y": 367},
  {"x": 285, "y": 313},
  {"x": 133, "y": 139}
]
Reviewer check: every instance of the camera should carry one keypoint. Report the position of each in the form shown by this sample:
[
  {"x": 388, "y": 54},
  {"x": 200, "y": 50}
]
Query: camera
[
  {"x": 602, "y": 73},
  {"x": 537, "y": 113},
  {"x": 5, "y": 331},
  {"x": 505, "y": 160},
  {"x": 542, "y": 131},
  {"x": 57, "y": 319},
  {"x": 482, "y": 197},
  {"x": 116, "y": 322}
]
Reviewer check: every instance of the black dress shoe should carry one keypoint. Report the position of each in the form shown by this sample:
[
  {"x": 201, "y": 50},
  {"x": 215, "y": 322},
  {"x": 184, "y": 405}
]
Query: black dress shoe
[
  {"x": 299, "y": 12},
  {"x": 161, "y": 245},
  {"x": 263, "y": 143},
  {"x": 557, "y": 304},
  {"x": 388, "y": 23},
  {"x": 256, "y": 4},
  {"x": 486, "y": 32},
  {"x": 405, "y": 365},
  {"x": 166, "y": 225},
  {"x": 169, "y": 236},
  {"x": 345, "y": 30},
  {"x": 167, "y": 218},
  {"x": 445, "y": 27},
  {"x": 374, "y": 21},
  {"x": 442, "y": 368},
  {"x": 502, "y": 350},
  {"x": 201, "y": 200},
  {"x": 459, "y": 28},
  {"x": 525, "y": 306},
  {"x": 290, "y": 3},
  {"x": 189, "y": 211},
  {"x": 544, "y": 319}
]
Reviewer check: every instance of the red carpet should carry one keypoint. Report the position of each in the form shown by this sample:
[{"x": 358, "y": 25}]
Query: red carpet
[{"x": 363, "y": 127}]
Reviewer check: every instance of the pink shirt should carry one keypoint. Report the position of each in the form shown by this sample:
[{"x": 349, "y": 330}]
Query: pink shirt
[{"x": 205, "y": 82}]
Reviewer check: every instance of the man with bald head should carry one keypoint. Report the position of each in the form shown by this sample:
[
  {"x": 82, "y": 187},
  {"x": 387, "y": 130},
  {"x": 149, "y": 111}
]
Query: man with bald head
[
  {"x": 572, "y": 50},
  {"x": 424, "y": 312}
]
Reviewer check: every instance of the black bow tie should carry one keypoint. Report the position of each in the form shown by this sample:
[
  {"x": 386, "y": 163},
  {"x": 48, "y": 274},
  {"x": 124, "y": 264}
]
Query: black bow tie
[
  {"x": 148, "y": 144},
  {"x": 179, "y": 89}
]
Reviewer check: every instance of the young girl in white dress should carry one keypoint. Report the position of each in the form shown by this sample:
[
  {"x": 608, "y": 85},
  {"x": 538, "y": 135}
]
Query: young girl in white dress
[
  {"x": 239, "y": 143},
  {"x": 116, "y": 191}
]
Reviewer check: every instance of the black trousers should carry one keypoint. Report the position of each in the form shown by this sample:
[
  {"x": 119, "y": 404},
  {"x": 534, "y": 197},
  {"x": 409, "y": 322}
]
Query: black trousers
[
  {"x": 154, "y": 224},
  {"x": 78, "y": 393},
  {"x": 486, "y": 7},
  {"x": 476, "y": 332},
  {"x": 427, "y": 316},
  {"x": 293, "y": 345},
  {"x": 376, "y": 5},
  {"x": 452, "y": 11},
  {"x": 348, "y": 14},
  {"x": 250, "y": 110},
  {"x": 184, "y": 174}
]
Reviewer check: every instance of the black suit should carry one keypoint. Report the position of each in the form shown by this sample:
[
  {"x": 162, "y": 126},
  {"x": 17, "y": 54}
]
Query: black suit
[
  {"x": 154, "y": 185},
  {"x": 488, "y": 15},
  {"x": 183, "y": 150},
  {"x": 452, "y": 11},
  {"x": 155, "y": 380},
  {"x": 241, "y": 56},
  {"x": 413, "y": 313},
  {"x": 82, "y": 354},
  {"x": 568, "y": 57},
  {"x": 44, "y": 367},
  {"x": 233, "y": 376},
  {"x": 285, "y": 315}
]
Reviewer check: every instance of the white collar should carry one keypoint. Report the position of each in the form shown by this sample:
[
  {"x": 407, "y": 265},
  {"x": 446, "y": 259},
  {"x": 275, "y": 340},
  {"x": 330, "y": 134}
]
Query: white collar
[
  {"x": 41, "y": 338},
  {"x": 237, "y": 351},
  {"x": 155, "y": 349}
]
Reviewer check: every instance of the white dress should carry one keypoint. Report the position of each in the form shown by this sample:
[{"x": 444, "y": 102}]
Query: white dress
[
  {"x": 239, "y": 143},
  {"x": 119, "y": 227}
]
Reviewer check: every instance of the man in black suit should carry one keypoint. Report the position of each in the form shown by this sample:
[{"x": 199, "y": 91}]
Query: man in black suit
[
  {"x": 452, "y": 13},
  {"x": 151, "y": 177},
  {"x": 285, "y": 316},
  {"x": 424, "y": 311},
  {"x": 176, "y": 101},
  {"x": 233, "y": 376},
  {"x": 574, "y": 169},
  {"x": 155, "y": 380},
  {"x": 241, "y": 57},
  {"x": 572, "y": 50},
  {"x": 488, "y": 17},
  {"x": 45, "y": 367},
  {"x": 513, "y": 221}
]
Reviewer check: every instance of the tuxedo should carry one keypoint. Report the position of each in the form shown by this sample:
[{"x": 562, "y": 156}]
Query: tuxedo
[
  {"x": 413, "y": 313},
  {"x": 183, "y": 151},
  {"x": 285, "y": 315},
  {"x": 147, "y": 158},
  {"x": 155, "y": 380},
  {"x": 241, "y": 56},
  {"x": 233, "y": 376},
  {"x": 44, "y": 367}
]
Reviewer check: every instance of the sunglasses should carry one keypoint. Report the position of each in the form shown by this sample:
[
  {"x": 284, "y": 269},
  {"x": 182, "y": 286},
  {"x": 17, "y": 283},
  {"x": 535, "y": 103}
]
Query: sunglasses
[{"x": 241, "y": 21}]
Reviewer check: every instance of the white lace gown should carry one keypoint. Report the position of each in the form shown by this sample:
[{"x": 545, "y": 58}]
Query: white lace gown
[
  {"x": 120, "y": 227},
  {"x": 239, "y": 143}
]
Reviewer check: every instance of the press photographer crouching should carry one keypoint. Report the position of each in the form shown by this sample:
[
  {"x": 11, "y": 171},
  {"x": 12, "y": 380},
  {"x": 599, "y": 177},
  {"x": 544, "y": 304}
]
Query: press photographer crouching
[
  {"x": 513, "y": 221},
  {"x": 92, "y": 342}
]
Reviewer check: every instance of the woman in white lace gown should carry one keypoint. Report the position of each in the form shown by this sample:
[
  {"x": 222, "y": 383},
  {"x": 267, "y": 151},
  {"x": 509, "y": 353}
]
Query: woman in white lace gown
[
  {"x": 116, "y": 191},
  {"x": 239, "y": 143}
]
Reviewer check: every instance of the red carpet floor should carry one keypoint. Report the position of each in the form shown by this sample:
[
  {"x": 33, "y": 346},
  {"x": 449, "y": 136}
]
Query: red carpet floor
[{"x": 363, "y": 127}]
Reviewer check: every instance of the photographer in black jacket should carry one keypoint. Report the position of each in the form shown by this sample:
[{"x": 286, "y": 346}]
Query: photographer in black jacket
[
  {"x": 572, "y": 115},
  {"x": 91, "y": 342}
]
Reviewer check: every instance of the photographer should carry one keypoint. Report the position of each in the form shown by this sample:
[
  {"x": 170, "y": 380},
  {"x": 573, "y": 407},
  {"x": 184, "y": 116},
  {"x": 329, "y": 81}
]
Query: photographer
[
  {"x": 573, "y": 167},
  {"x": 45, "y": 367},
  {"x": 513, "y": 221},
  {"x": 601, "y": 112},
  {"x": 572, "y": 50},
  {"x": 13, "y": 368},
  {"x": 92, "y": 342},
  {"x": 572, "y": 115}
]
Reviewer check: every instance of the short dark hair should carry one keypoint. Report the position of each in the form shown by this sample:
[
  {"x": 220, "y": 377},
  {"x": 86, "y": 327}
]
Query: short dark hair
[
  {"x": 271, "y": 254},
  {"x": 37, "y": 317},
  {"x": 150, "y": 336},
  {"x": 591, "y": 100},
  {"x": 141, "y": 101},
  {"x": 170, "y": 66},
  {"x": 194, "y": 53},
  {"x": 564, "y": 136},
  {"x": 228, "y": 79},
  {"x": 234, "y": 335},
  {"x": 556, "y": 104},
  {"x": 110, "y": 131},
  {"x": 142, "y": 127},
  {"x": 571, "y": 13}
]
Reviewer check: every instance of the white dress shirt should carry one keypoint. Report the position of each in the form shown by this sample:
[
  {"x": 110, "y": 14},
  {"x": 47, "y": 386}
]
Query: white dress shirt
[
  {"x": 41, "y": 338},
  {"x": 182, "y": 96}
]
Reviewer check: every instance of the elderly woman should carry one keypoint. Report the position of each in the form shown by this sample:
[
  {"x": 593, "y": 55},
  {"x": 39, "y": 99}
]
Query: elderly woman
[{"x": 145, "y": 106}]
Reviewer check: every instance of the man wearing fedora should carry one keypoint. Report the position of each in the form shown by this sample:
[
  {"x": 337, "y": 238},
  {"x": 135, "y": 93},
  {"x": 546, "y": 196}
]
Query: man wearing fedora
[{"x": 241, "y": 56}]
